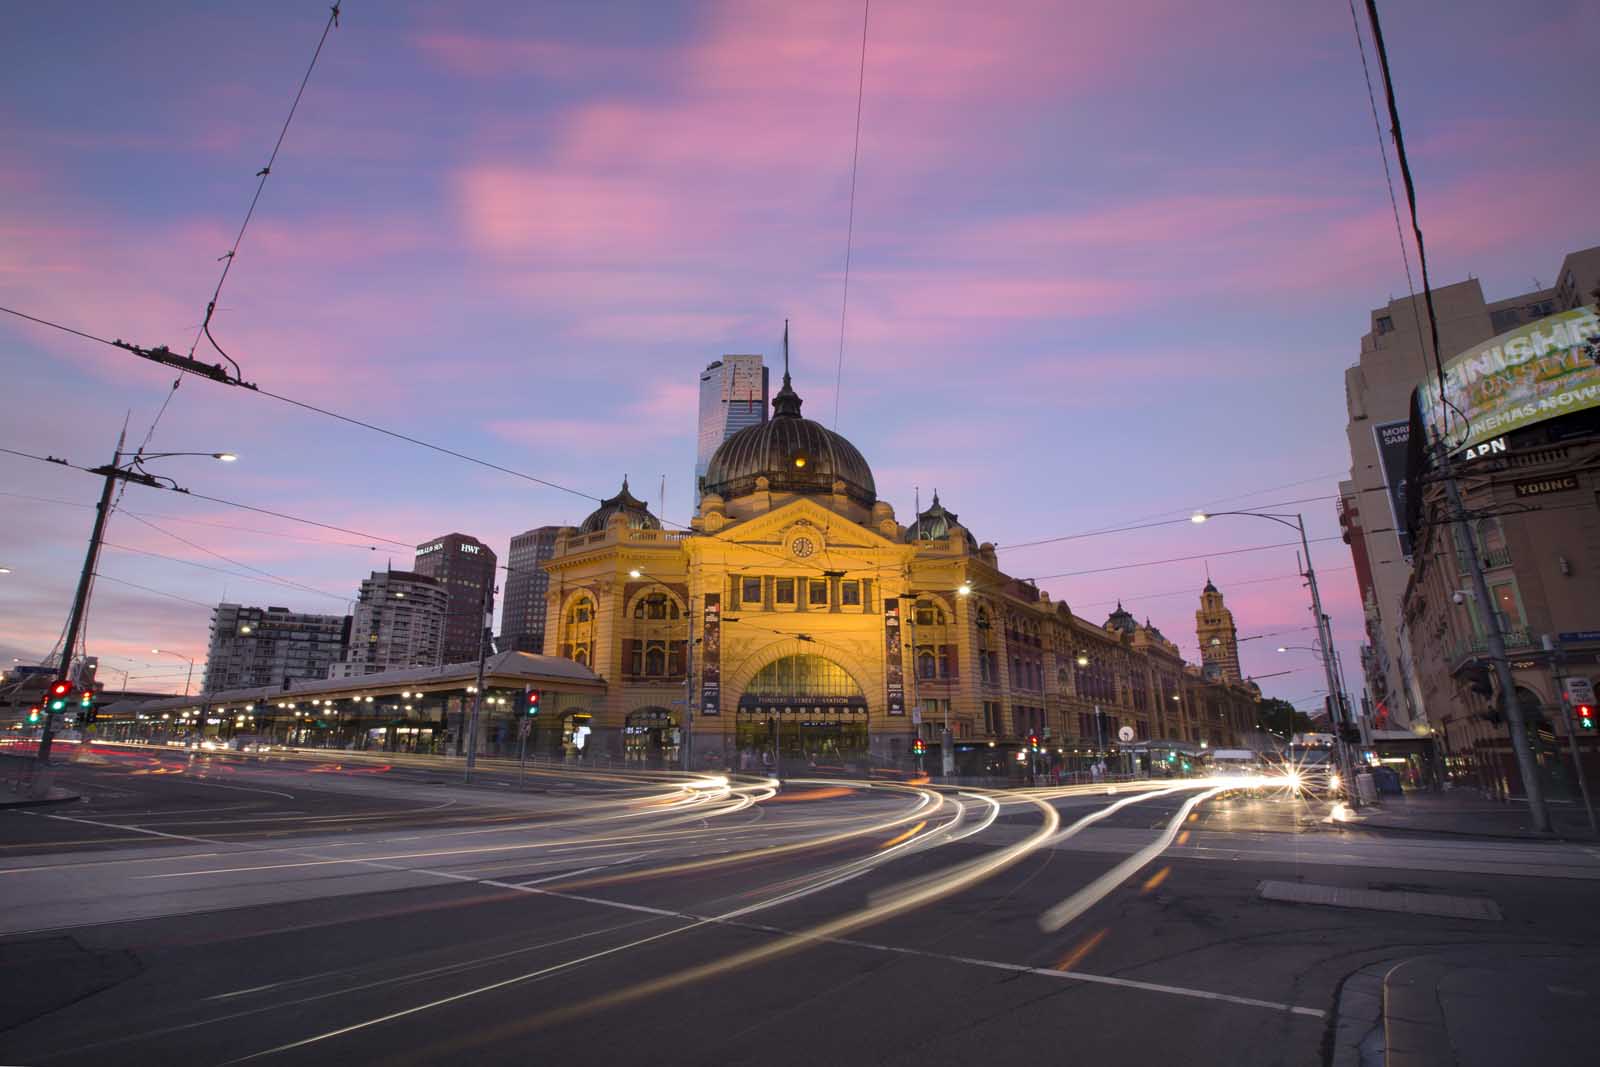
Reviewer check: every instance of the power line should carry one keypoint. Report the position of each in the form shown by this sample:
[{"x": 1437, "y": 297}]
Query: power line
[
  {"x": 192, "y": 522},
  {"x": 850, "y": 229},
  {"x": 1189, "y": 590},
  {"x": 56, "y": 460},
  {"x": 261, "y": 183},
  {"x": 280, "y": 583},
  {"x": 1144, "y": 526},
  {"x": 227, "y": 559},
  {"x": 1179, "y": 559},
  {"x": 145, "y": 588}
]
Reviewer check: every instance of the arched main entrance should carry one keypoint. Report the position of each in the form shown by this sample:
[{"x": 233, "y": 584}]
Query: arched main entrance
[
  {"x": 802, "y": 707},
  {"x": 650, "y": 736}
]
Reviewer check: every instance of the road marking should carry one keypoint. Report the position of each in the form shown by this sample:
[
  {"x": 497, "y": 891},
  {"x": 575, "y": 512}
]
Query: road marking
[
  {"x": 560, "y": 874},
  {"x": 103, "y": 863},
  {"x": 1082, "y": 949},
  {"x": 1379, "y": 900},
  {"x": 130, "y": 829},
  {"x": 1155, "y": 879}
]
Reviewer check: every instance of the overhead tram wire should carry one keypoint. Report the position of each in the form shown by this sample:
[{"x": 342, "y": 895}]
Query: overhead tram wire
[
  {"x": 289, "y": 582},
  {"x": 192, "y": 522},
  {"x": 57, "y": 461},
  {"x": 534, "y": 478},
  {"x": 850, "y": 228},
  {"x": 1003, "y": 547},
  {"x": 102, "y": 576},
  {"x": 229, "y": 256},
  {"x": 1180, "y": 559},
  {"x": 243, "y": 575}
]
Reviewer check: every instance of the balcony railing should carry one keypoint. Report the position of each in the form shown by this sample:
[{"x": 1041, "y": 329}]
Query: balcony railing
[
  {"x": 1478, "y": 645},
  {"x": 1497, "y": 557}
]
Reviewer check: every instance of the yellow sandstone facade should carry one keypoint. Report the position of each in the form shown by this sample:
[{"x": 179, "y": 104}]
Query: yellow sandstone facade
[{"x": 798, "y": 619}]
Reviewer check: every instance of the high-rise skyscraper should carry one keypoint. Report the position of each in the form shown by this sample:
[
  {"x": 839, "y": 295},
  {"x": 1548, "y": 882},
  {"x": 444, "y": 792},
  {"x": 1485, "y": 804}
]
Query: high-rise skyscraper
[
  {"x": 271, "y": 647},
  {"x": 1219, "y": 641},
  {"x": 465, "y": 567},
  {"x": 522, "y": 619},
  {"x": 733, "y": 395},
  {"x": 399, "y": 622}
]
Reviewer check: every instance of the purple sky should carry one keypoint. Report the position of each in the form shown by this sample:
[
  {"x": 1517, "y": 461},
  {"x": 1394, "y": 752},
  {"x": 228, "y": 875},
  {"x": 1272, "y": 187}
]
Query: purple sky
[{"x": 1110, "y": 263}]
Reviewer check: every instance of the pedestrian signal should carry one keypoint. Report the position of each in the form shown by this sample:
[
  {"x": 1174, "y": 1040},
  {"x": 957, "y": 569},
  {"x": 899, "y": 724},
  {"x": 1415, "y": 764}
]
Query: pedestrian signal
[{"x": 1585, "y": 713}]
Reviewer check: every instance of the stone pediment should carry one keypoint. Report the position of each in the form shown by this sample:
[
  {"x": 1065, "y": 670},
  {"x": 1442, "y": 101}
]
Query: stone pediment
[{"x": 780, "y": 527}]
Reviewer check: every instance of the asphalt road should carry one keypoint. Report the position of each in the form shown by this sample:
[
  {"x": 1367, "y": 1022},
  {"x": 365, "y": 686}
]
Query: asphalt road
[{"x": 354, "y": 910}]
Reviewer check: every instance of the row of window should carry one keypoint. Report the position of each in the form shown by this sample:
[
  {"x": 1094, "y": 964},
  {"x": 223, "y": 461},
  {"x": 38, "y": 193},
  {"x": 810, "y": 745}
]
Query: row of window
[
  {"x": 769, "y": 592},
  {"x": 937, "y": 662},
  {"x": 654, "y": 659}
]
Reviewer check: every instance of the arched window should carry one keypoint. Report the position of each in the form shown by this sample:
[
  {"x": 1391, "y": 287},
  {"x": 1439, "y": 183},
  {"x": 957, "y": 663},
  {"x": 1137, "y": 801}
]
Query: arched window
[
  {"x": 797, "y": 677},
  {"x": 927, "y": 665},
  {"x": 577, "y": 632},
  {"x": 655, "y": 660}
]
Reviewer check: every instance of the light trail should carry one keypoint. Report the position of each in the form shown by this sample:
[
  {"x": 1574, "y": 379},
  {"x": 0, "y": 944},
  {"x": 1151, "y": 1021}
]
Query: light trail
[{"x": 1090, "y": 895}]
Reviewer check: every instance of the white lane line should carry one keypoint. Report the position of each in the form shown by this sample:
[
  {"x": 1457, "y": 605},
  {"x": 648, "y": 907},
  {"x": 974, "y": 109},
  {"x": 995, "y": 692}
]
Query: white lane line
[
  {"x": 104, "y": 863},
  {"x": 559, "y": 874},
  {"x": 129, "y": 829},
  {"x": 240, "y": 788},
  {"x": 515, "y": 980},
  {"x": 1090, "y": 895}
]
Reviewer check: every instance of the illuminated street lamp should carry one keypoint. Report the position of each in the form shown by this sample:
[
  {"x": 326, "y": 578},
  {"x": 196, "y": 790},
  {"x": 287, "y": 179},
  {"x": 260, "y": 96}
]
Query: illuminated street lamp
[{"x": 190, "y": 677}]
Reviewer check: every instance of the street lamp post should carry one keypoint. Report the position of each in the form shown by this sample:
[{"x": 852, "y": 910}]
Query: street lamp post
[
  {"x": 122, "y": 470},
  {"x": 1324, "y": 631},
  {"x": 188, "y": 680}
]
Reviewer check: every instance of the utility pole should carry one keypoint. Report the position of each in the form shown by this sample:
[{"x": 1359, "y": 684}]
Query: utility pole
[
  {"x": 80, "y": 600},
  {"x": 1558, "y": 672},
  {"x": 477, "y": 693},
  {"x": 1325, "y": 640},
  {"x": 1494, "y": 641}
]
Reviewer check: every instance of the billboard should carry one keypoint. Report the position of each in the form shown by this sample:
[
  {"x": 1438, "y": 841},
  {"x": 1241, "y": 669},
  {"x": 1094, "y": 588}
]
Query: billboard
[
  {"x": 1536, "y": 372},
  {"x": 1394, "y": 441}
]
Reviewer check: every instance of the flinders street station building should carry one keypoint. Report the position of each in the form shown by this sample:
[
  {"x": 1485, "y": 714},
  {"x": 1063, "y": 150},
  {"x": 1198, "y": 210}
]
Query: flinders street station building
[{"x": 800, "y": 620}]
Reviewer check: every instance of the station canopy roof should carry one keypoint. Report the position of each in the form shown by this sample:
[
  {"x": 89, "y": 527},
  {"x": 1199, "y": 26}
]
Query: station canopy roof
[{"x": 515, "y": 668}]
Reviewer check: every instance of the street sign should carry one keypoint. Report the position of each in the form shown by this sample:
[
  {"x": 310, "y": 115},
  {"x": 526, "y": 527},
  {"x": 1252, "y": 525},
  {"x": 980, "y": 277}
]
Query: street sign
[
  {"x": 1578, "y": 690},
  {"x": 1580, "y": 635},
  {"x": 916, "y": 716}
]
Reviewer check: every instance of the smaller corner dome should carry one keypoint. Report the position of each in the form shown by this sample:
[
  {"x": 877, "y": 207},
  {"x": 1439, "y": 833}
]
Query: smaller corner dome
[
  {"x": 935, "y": 523},
  {"x": 1121, "y": 620},
  {"x": 624, "y": 503}
]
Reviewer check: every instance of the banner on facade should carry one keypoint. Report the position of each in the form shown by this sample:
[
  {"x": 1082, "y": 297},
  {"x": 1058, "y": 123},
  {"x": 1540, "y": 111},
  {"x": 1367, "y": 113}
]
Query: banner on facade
[
  {"x": 1535, "y": 372},
  {"x": 1394, "y": 439},
  {"x": 893, "y": 672},
  {"x": 711, "y": 657}
]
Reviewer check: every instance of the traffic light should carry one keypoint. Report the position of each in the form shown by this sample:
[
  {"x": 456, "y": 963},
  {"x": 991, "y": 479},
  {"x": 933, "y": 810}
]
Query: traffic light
[
  {"x": 35, "y": 713},
  {"x": 530, "y": 702},
  {"x": 919, "y": 747},
  {"x": 60, "y": 694},
  {"x": 1585, "y": 714},
  {"x": 1033, "y": 742},
  {"x": 86, "y": 702}
]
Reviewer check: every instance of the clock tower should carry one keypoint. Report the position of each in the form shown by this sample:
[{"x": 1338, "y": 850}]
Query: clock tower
[{"x": 1219, "y": 641}]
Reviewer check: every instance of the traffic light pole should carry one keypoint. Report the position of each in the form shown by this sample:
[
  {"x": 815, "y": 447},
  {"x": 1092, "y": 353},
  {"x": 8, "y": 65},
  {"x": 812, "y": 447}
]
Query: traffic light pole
[
  {"x": 80, "y": 600},
  {"x": 477, "y": 694},
  {"x": 1558, "y": 668}
]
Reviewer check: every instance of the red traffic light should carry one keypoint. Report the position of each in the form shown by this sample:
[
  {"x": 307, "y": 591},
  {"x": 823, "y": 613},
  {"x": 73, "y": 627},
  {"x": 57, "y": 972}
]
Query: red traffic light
[
  {"x": 530, "y": 701},
  {"x": 919, "y": 747},
  {"x": 60, "y": 688},
  {"x": 1585, "y": 716}
]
